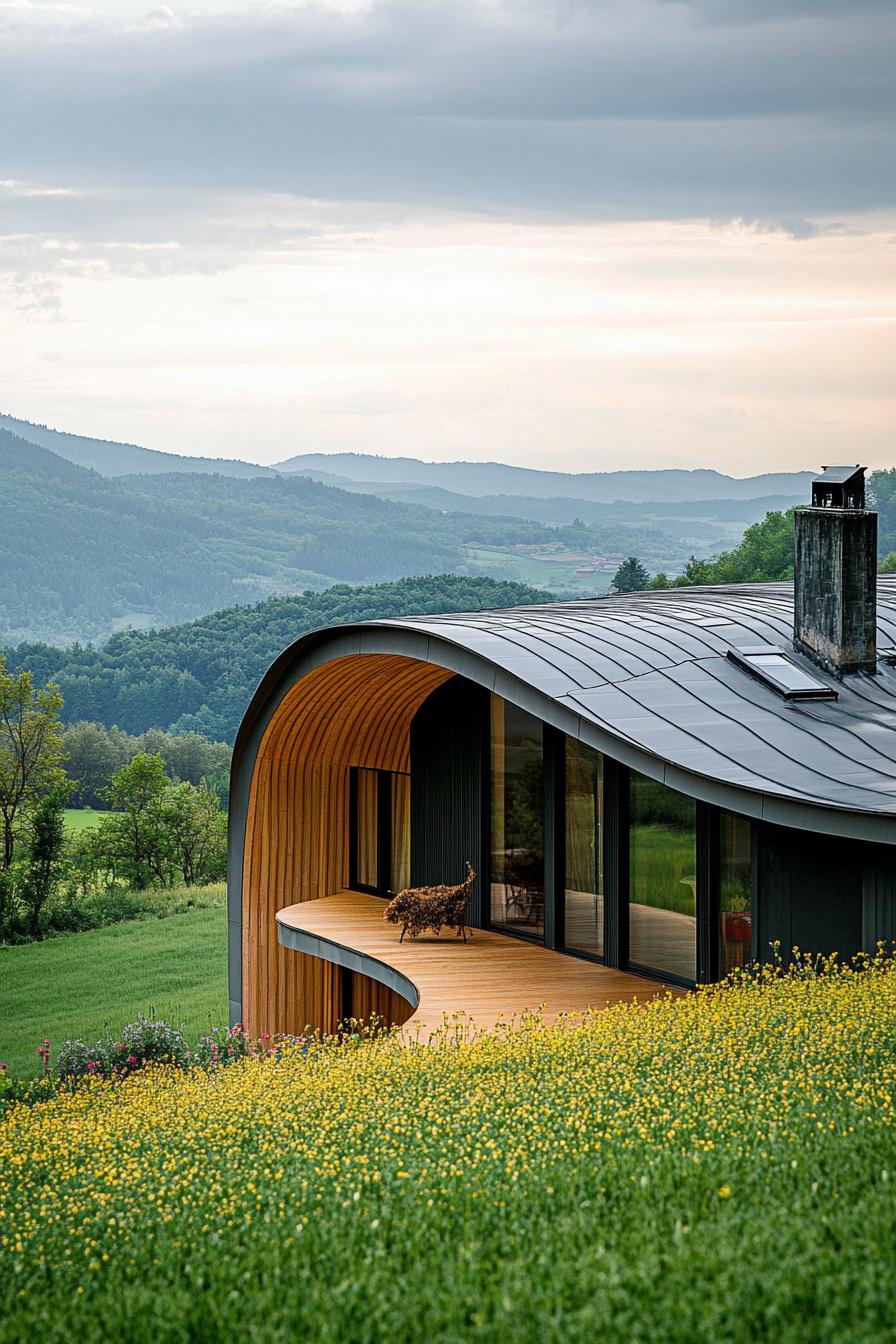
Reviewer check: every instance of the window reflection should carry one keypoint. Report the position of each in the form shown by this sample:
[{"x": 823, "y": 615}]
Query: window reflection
[
  {"x": 735, "y": 891},
  {"x": 401, "y": 832},
  {"x": 517, "y": 819},
  {"x": 584, "y": 895},
  {"x": 367, "y": 847},
  {"x": 663, "y": 879}
]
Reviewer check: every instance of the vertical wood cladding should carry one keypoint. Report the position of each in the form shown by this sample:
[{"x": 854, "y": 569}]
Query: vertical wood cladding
[
  {"x": 449, "y": 737},
  {"x": 355, "y": 710}
]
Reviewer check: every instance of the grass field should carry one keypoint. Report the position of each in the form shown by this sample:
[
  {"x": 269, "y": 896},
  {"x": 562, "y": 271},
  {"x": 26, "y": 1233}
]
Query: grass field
[
  {"x": 714, "y": 1168},
  {"x": 83, "y": 818},
  {"x": 80, "y": 984},
  {"x": 663, "y": 868},
  {"x": 537, "y": 570}
]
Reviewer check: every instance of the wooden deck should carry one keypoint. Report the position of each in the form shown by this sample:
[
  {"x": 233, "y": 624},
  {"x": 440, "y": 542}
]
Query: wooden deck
[{"x": 490, "y": 978}]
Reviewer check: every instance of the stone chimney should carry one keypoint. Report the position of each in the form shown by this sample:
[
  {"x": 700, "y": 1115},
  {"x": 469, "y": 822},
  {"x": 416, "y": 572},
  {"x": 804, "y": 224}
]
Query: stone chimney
[{"x": 835, "y": 575}]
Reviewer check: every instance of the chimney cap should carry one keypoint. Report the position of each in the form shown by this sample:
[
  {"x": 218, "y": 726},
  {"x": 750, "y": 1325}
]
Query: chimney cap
[
  {"x": 838, "y": 475},
  {"x": 839, "y": 488}
]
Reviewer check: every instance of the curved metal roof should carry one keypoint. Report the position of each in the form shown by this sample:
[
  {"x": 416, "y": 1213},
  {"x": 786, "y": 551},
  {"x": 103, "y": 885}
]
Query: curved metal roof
[{"x": 646, "y": 677}]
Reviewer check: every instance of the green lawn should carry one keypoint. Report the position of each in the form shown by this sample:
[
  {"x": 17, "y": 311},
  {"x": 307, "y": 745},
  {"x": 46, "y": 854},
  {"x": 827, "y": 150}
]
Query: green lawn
[
  {"x": 82, "y": 983},
  {"x": 83, "y": 818}
]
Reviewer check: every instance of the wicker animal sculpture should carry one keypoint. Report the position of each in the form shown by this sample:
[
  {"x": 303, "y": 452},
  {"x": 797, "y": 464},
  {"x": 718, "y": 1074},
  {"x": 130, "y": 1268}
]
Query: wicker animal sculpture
[{"x": 421, "y": 908}]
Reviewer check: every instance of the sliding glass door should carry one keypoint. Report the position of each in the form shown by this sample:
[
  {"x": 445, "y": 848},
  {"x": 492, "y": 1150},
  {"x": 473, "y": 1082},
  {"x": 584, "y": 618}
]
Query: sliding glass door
[
  {"x": 662, "y": 879},
  {"x": 583, "y": 897},
  {"x": 517, "y": 819}
]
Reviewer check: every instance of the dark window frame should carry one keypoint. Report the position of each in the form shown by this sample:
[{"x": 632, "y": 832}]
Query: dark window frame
[{"x": 383, "y": 830}]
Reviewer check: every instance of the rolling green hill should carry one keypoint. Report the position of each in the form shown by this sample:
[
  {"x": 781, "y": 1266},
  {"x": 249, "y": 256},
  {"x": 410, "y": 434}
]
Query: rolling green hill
[
  {"x": 200, "y": 676},
  {"x": 83, "y": 555},
  {"x": 691, "y": 520},
  {"x": 123, "y": 459},
  {"x": 497, "y": 478}
]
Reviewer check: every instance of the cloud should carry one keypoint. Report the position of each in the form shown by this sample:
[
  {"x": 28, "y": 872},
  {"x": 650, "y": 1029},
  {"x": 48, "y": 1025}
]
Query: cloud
[
  {"x": 610, "y": 109},
  {"x": 10, "y": 187}
]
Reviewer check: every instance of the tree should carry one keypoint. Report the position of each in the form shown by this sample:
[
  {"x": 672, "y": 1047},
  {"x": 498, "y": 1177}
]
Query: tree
[
  {"x": 94, "y": 753},
  {"x": 197, "y": 830},
  {"x": 45, "y": 853},
  {"x": 765, "y": 554},
  {"x": 881, "y": 495},
  {"x": 888, "y": 564},
  {"x": 630, "y": 577},
  {"x": 137, "y": 839},
  {"x": 31, "y": 752},
  {"x": 190, "y": 757},
  {"x": 660, "y": 580}
]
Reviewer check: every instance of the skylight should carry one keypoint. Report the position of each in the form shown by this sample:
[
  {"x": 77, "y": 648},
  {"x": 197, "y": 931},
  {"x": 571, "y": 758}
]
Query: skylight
[{"x": 771, "y": 665}]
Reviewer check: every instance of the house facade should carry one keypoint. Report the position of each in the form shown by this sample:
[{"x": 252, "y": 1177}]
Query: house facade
[{"x": 668, "y": 782}]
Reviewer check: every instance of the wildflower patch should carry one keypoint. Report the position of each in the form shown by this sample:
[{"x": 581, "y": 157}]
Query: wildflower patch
[{"x": 717, "y": 1167}]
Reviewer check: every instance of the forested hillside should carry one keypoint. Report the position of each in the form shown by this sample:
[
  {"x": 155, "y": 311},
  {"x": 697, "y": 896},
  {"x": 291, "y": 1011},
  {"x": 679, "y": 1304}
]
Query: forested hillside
[
  {"x": 84, "y": 555},
  {"x": 684, "y": 519},
  {"x": 122, "y": 459},
  {"x": 498, "y": 478},
  {"x": 200, "y": 676}
]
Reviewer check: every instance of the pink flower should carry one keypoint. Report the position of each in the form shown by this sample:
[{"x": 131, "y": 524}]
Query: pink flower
[{"x": 132, "y": 1059}]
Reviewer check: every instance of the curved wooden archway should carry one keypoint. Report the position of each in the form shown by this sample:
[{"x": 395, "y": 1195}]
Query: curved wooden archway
[{"x": 353, "y": 710}]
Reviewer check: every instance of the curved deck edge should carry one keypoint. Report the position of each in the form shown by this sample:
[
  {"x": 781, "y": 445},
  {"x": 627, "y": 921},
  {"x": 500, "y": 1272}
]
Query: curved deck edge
[{"x": 314, "y": 945}]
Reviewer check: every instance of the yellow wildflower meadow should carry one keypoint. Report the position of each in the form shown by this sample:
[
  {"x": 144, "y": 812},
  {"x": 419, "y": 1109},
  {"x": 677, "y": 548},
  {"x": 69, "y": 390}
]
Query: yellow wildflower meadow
[{"x": 713, "y": 1167}]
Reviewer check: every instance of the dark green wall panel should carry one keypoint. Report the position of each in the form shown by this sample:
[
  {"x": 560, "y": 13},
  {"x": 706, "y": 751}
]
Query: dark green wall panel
[
  {"x": 810, "y": 893},
  {"x": 449, "y": 735}
]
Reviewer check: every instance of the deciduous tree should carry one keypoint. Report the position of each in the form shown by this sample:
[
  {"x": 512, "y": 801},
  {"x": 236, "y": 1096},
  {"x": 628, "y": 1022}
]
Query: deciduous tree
[{"x": 31, "y": 751}]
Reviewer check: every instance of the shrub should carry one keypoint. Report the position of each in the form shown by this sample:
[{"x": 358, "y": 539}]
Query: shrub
[{"x": 140, "y": 1043}]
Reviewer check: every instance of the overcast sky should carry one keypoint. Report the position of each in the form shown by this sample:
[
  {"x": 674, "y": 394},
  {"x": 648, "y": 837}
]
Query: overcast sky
[{"x": 585, "y": 234}]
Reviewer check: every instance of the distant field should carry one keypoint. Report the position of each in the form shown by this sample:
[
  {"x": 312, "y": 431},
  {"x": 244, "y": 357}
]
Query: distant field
[
  {"x": 83, "y": 818},
  {"x": 78, "y": 985},
  {"x": 541, "y": 571}
]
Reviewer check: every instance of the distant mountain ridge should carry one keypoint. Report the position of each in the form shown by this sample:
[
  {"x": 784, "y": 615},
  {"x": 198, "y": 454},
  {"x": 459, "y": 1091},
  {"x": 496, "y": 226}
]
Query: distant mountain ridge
[
  {"x": 84, "y": 554},
  {"x": 496, "y": 478},
  {"x": 559, "y": 509},
  {"x": 124, "y": 459},
  {"x": 477, "y": 479}
]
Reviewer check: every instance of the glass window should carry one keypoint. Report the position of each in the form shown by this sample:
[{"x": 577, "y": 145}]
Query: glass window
[
  {"x": 663, "y": 879},
  {"x": 517, "y": 819},
  {"x": 368, "y": 816},
  {"x": 735, "y": 891},
  {"x": 401, "y": 832},
  {"x": 770, "y": 665},
  {"x": 584, "y": 897}
]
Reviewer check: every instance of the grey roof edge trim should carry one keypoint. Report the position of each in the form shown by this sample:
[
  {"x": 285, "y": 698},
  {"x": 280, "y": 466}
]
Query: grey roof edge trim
[
  {"x": 316, "y": 647},
  {"x": 339, "y": 954}
]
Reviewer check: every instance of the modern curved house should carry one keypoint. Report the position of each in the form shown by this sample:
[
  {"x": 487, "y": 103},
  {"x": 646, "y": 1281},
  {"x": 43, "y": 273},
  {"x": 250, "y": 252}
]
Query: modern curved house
[{"x": 652, "y": 788}]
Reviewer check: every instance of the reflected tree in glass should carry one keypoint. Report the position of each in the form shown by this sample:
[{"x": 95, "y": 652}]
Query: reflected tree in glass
[
  {"x": 517, "y": 818},
  {"x": 735, "y": 891},
  {"x": 663, "y": 879},
  {"x": 584, "y": 895}
]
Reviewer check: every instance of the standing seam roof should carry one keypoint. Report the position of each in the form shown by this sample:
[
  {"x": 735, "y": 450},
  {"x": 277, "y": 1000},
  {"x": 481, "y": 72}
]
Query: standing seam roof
[{"x": 651, "y": 669}]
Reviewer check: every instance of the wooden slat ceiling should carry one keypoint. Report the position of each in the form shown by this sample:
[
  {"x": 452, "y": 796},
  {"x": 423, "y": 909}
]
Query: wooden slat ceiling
[{"x": 351, "y": 711}]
